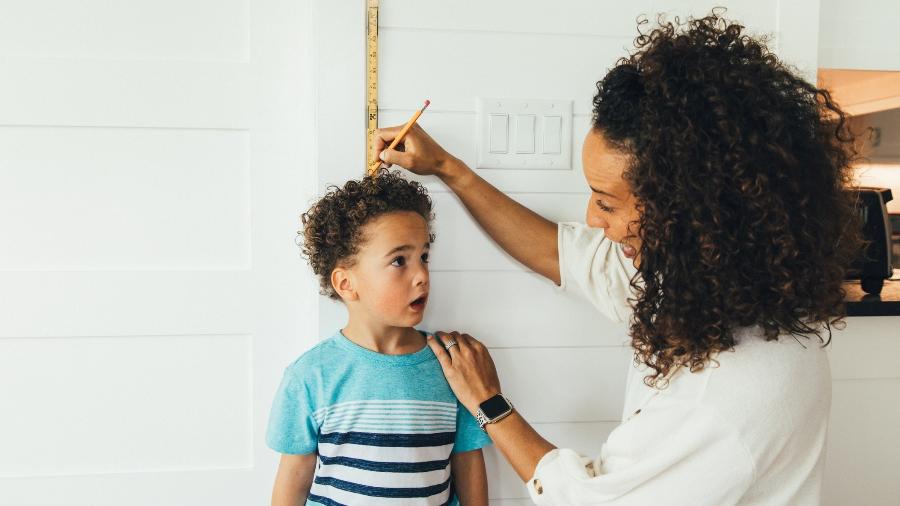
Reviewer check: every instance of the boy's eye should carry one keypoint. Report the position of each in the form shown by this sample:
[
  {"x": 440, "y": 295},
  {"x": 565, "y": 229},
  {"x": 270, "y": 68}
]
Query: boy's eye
[
  {"x": 399, "y": 262},
  {"x": 603, "y": 207},
  {"x": 425, "y": 258}
]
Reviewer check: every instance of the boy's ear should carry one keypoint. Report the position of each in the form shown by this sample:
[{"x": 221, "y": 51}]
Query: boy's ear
[{"x": 342, "y": 282}]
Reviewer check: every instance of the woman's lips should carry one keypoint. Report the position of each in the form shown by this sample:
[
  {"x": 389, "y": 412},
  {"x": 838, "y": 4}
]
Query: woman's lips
[{"x": 628, "y": 251}]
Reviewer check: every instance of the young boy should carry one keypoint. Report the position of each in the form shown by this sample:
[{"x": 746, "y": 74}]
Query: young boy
[{"x": 366, "y": 416}]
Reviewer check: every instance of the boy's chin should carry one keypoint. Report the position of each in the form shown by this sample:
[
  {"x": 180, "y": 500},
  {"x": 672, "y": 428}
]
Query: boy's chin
[
  {"x": 410, "y": 321},
  {"x": 414, "y": 321}
]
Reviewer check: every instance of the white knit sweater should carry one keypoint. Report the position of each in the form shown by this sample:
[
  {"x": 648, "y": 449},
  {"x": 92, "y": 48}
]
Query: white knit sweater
[{"x": 750, "y": 430}]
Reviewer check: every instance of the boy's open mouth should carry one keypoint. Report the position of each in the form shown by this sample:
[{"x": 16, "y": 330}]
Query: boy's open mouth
[{"x": 419, "y": 303}]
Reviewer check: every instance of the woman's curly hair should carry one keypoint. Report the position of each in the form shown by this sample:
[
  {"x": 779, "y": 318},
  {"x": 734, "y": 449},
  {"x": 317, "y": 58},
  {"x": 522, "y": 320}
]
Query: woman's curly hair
[
  {"x": 740, "y": 169},
  {"x": 332, "y": 227}
]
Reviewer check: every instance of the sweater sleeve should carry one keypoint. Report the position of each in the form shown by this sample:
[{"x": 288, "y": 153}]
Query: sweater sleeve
[
  {"x": 698, "y": 460},
  {"x": 597, "y": 268}
]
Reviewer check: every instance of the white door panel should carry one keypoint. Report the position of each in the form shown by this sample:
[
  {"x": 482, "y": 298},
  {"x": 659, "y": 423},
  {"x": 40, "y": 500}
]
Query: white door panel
[{"x": 154, "y": 157}]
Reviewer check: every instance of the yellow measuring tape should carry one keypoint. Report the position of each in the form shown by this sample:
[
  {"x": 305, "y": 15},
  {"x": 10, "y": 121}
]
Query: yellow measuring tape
[{"x": 371, "y": 76}]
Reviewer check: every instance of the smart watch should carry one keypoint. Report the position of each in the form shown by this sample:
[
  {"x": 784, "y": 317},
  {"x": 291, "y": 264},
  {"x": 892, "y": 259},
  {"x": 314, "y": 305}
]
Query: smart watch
[{"x": 493, "y": 410}]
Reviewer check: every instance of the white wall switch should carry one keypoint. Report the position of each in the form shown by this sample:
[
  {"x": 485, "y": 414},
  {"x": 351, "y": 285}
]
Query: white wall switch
[
  {"x": 552, "y": 135},
  {"x": 524, "y": 134},
  {"x": 499, "y": 133}
]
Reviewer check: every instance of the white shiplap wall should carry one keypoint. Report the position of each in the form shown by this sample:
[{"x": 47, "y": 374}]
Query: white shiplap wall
[
  {"x": 545, "y": 343},
  {"x": 859, "y": 35},
  {"x": 864, "y": 436}
]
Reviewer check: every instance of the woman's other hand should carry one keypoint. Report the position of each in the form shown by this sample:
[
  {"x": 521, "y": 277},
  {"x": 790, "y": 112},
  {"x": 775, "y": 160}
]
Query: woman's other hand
[{"x": 468, "y": 367}]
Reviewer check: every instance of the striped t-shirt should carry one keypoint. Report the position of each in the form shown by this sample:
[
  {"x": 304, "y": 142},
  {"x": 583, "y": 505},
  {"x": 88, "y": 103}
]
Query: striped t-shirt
[{"x": 384, "y": 426}]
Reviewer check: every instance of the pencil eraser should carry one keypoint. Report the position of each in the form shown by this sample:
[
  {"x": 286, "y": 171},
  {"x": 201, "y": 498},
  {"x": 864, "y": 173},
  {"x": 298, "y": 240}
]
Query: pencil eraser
[{"x": 427, "y": 103}]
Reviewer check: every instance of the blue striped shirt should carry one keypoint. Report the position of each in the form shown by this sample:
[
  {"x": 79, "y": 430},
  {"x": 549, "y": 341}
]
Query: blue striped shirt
[{"x": 384, "y": 426}]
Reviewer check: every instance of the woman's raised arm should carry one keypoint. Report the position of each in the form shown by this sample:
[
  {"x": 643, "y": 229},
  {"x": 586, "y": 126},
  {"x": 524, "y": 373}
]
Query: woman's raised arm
[{"x": 525, "y": 235}]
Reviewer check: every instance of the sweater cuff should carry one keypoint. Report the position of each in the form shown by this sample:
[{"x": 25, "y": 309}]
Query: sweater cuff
[{"x": 557, "y": 469}]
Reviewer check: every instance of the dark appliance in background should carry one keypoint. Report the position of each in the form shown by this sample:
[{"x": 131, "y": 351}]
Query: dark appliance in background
[
  {"x": 875, "y": 265},
  {"x": 895, "y": 228}
]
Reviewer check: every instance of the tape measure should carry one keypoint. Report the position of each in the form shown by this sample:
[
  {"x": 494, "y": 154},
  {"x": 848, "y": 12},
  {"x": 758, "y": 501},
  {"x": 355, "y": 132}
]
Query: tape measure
[{"x": 371, "y": 76}]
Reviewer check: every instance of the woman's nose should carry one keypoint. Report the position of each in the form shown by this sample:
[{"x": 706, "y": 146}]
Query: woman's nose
[{"x": 594, "y": 220}]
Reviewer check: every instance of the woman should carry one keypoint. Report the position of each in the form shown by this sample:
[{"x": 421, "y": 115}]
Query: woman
[{"x": 719, "y": 228}]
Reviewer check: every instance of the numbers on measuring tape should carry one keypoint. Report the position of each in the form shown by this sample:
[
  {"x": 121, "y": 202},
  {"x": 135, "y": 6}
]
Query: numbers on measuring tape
[{"x": 371, "y": 76}]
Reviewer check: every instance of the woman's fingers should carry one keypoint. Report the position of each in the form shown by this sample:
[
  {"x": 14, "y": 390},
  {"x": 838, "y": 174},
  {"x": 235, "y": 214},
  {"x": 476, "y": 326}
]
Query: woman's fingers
[
  {"x": 401, "y": 158},
  {"x": 451, "y": 337},
  {"x": 437, "y": 347},
  {"x": 420, "y": 153},
  {"x": 382, "y": 139}
]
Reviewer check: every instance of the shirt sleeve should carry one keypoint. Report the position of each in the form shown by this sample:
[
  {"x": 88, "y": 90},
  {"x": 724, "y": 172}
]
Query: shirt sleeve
[
  {"x": 292, "y": 427},
  {"x": 700, "y": 461},
  {"x": 597, "y": 268},
  {"x": 469, "y": 435}
]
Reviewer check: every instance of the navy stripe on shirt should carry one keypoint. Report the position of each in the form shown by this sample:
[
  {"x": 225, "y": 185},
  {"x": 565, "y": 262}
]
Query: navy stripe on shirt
[
  {"x": 356, "y": 488},
  {"x": 394, "y": 440},
  {"x": 386, "y": 467},
  {"x": 323, "y": 500}
]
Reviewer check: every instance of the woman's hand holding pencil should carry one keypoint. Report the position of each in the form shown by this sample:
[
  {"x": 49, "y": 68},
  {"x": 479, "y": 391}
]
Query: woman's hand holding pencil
[{"x": 410, "y": 147}]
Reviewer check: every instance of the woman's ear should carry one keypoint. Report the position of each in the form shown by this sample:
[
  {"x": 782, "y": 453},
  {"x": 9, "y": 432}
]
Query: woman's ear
[{"x": 343, "y": 283}]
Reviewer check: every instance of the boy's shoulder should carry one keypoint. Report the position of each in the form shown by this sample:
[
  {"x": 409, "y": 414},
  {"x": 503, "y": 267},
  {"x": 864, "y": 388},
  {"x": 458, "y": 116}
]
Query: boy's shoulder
[{"x": 311, "y": 361}]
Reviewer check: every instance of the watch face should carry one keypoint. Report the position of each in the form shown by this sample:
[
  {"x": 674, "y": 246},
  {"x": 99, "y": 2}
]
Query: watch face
[{"x": 495, "y": 406}]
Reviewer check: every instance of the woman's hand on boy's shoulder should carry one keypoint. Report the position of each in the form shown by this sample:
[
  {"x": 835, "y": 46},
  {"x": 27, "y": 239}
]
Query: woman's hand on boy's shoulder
[{"x": 468, "y": 367}]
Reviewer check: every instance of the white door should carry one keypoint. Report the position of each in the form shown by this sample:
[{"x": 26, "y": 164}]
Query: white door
[{"x": 154, "y": 156}]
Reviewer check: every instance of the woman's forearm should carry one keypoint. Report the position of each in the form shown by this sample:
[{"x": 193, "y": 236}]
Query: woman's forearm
[
  {"x": 522, "y": 446},
  {"x": 525, "y": 235}
]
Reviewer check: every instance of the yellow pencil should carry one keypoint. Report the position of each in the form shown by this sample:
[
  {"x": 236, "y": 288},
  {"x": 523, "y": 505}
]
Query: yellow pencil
[{"x": 397, "y": 140}]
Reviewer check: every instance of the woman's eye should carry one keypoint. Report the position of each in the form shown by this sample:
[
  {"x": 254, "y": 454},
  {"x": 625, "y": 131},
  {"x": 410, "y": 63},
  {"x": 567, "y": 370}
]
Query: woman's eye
[
  {"x": 425, "y": 258},
  {"x": 603, "y": 207},
  {"x": 399, "y": 262}
]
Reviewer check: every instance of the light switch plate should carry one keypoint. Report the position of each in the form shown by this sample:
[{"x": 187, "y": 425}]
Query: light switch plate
[{"x": 516, "y": 133}]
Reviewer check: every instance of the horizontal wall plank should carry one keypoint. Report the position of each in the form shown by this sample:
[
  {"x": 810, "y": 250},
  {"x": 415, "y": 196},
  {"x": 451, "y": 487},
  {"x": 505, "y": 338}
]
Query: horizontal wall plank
[
  {"x": 114, "y": 303},
  {"x": 862, "y": 443},
  {"x": 852, "y": 35},
  {"x": 516, "y": 309},
  {"x": 138, "y": 29},
  {"x": 565, "y": 384},
  {"x": 578, "y": 16},
  {"x": 100, "y": 405},
  {"x": 462, "y": 245},
  {"x": 124, "y": 198},
  {"x": 452, "y": 69},
  {"x": 126, "y": 93},
  {"x": 866, "y": 349},
  {"x": 219, "y": 487}
]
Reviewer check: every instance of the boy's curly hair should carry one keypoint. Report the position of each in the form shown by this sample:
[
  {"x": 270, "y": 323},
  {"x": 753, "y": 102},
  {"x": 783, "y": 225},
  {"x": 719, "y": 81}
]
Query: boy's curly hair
[
  {"x": 740, "y": 168},
  {"x": 332, "y": 227}
]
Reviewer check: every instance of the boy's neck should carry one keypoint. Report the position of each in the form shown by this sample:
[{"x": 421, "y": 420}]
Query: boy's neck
[{"x": 382, "y": 338}]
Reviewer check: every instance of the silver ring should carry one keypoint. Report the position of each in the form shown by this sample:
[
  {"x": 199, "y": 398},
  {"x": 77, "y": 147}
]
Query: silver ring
[{"x": 449, "y": 345}]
